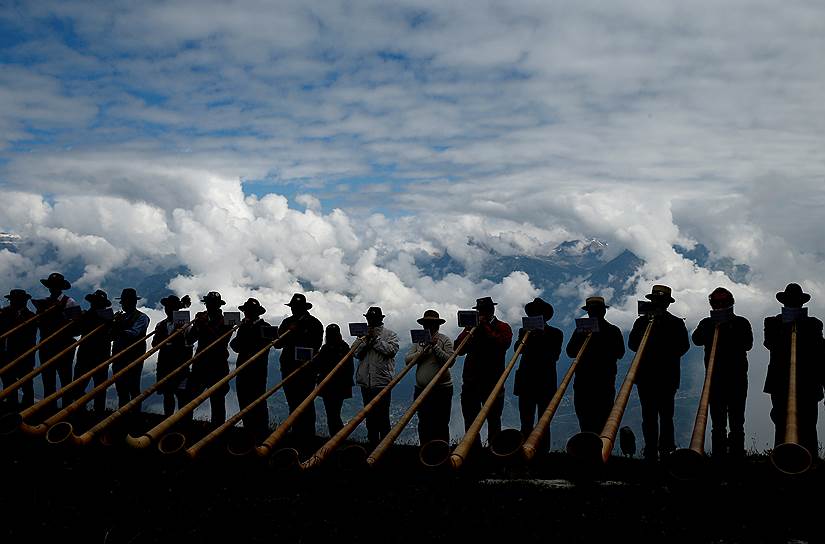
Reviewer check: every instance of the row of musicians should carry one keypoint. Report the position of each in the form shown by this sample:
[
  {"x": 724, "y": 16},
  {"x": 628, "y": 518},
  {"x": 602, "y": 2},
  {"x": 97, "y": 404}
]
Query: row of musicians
[{"x": 594, "y": 387}]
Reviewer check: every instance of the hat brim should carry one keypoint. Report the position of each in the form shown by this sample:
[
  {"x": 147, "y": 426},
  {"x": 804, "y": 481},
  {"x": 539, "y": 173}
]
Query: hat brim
[
  {"x": 784, "y": 297},
  {"x": 260, "y": 309},
  {"x": 486, "y": 305},
  {"x": 135, "y": 298},
  {"x": 12, "y": 297},
  {"x": 585, "y": 307},
  {"x": 382, "y": 316},
  {"x": 657, "y": 296},
  {"x": 92, "y": 299},
  {"x": 166, "y": 302},
  {"x": 66, "y": 285},
  {"x": 306, "y": 305},
  {"x": 204, "y": 301},
  {"x": 425, "y": 320}
]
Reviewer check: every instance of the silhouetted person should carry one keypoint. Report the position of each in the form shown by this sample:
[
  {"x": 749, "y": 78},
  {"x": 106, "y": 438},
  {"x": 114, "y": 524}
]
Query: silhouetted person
[
  {"x": 307, "y": 332},
  {"x": 434, "y": 412},
  {"x": 128, "y": 326},
  {"x": 16, "y": 344},
  {"x": 208, "y": 326},
  {"x": 93, "y": 350},
  {"x": 171, "y": 355},
  {"x": 809, "y": 367},
  {"x": 251, "y": 381},
  {"x": 536, "y": 380},
  {"x": 484, "y": 365},
  {"x": 729, "y": 382},
  {"x": 375, "y": 370},
  {"x": 657, "y": 377},
  {"x": 50, "y": 323},
  {"x": 594, "y": 385},
  {"x": 340, "y": 385}
]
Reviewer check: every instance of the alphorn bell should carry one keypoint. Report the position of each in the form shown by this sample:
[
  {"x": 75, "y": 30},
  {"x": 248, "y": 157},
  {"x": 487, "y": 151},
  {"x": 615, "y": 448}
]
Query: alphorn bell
[
  {"x": 161, "y": 428},
  {"x": 32, "y": 319},
  {"x": 50, "y": 362},
  {"x": 529, "y": 448},
  {"x": 279, "y": 433},
  {"x": 174, "y": 442},
  {"x": 460, "y": 453},
  {"x": 388, "y": 440},
  {"x": 332, "y": 444},
  {"x": 592, "y": 447},
  {"x": 63, "y": 430},
  {"x": 790, "y": 457},
  {"x": 10, "y": 422},
  {"x": 685, "y": 462}
]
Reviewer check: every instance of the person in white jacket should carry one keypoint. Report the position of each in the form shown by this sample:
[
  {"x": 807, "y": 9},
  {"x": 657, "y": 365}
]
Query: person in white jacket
[{"x": 375, "y": 370}]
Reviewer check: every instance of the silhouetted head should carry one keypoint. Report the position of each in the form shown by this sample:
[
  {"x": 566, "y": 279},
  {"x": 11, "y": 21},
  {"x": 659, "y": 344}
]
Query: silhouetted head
[
  {"x": 485, "y": 307},
  {"x": 172, "y": 303},
  {"x": 56, "y": 284},
  {"x": 212, "y": 301},
  {"x": 375, "y": 318},
  {"x": 595, "y": 307},
  {"x": 18, "y": 298},
  {"x": 98, "y": 300},
  {"x": 333, "y": 333},
  {"x": 720, "y": 299},
  {"x": 252, "y": 309},
  {"x": 660, "y": 295},
  {"x": 539, "y": 307},
  {"x": 793, "y": 296},
  {"x": 431, "y": 321},
  {"x": 299, "y": 305},
  {"x": 128, "y": 299}
]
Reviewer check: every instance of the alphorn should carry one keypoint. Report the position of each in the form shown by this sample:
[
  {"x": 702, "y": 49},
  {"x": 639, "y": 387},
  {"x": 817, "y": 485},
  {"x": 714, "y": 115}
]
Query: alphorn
[
  {"x": 332, "y": 444},
  {"x": 790, "y": 457},
  {"x": 265, "y": 448},
  {"x": 48, "y": 363},
  {"x": 10, "y": 422},
  {"x": 35, "y": 347},
  {"x": 28, "y": 321},
  {"x": 63, "y": 430},
  {"x": 590, "y": 446},
  {"x": 161, "y": 428},
  {"x": 174, "y": 442},
  {"x": 530, "y": 445},
  {"x": 685, "y": 462},
  {"x": 388, "y": 440}
]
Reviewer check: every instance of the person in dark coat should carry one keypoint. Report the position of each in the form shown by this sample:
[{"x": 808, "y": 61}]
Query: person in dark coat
[
  {"x": 536, "y": 380},
  {"x": 483, "y": 365},
  {"x": 810, "y": 347},
  {"x": 207, "y": 327},
  {"x": 128, "y": 326},
  {"x": 251, "y": 381},
  {"x": 306, "y": 332},
  {"x": 49, "y": 323},
  {"x": 657, "y": 377},
  {"x": 434, "y": 412},
  {"x": 94, "y": 350},
  {"x": 172, "y": 354},
  {"x": 594, "y": 385},
  {"x": 729, "y": 382},
  {"x": 339, "y": 388},
  {"x": 16, "y": 344}
]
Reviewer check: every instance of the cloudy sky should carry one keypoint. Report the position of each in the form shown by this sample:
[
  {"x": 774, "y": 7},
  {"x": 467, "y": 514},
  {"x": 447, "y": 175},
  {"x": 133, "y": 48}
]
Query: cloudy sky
[{"x": 272, "y": 146}]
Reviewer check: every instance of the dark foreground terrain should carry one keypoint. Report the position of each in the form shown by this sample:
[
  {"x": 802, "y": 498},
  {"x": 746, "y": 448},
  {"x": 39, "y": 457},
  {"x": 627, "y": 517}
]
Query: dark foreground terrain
[{"x": 99, "y": 494}]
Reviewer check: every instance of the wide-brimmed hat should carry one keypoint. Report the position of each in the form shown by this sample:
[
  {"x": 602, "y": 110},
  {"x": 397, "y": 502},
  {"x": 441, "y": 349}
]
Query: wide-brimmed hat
[
  {"x": 721, "y": 297},
  {"x": 128, "y": 294},
  {"x": 374, "y": 312},
  {"x": 99, "y": 299},
  {"x": 300, "y": 301},
  {"x": 597, "y": 302},
  {"x": 213, "y": 296},
  {"x": 56, "y": 280},
  {"x": 541, "y": 307},
  {"x": 659, "y": 292},
  {"x": 793, "y": 294},
  {"x": 174, "y": 303},
  {"x": 252, "y": 306},
  {"x": 484, "y": 303},
  {"x": 431, "y": 316},
  {"x": 17, "y": 294}
]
